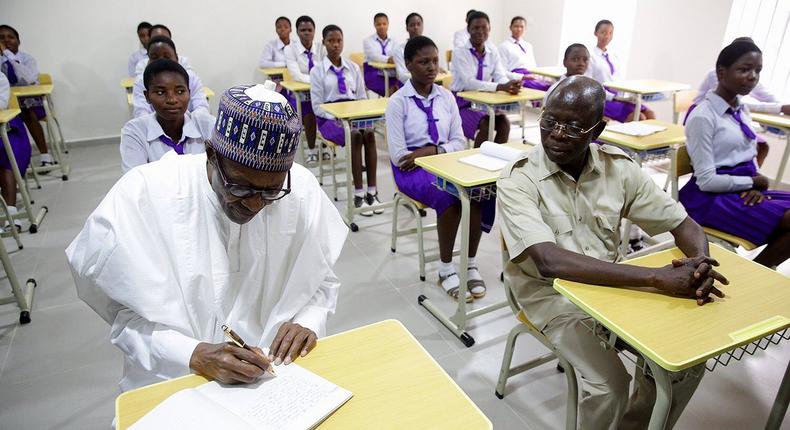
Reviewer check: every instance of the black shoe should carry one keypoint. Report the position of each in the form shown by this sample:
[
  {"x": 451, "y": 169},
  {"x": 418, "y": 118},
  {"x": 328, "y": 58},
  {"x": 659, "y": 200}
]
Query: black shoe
[
  {"x": 359, "y": 201},
  {"x": 373, "y": 199}
]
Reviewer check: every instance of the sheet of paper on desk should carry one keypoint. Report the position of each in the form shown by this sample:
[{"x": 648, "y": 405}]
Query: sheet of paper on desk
[
  {"x": 635, "y": 128},
  {"x": 492, "y": 156},
  {"x": 296, "y": 399}
]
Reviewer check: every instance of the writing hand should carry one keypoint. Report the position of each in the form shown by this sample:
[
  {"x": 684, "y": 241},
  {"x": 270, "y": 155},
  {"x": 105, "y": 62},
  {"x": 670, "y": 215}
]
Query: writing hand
[{"x": 227, "y": 363}]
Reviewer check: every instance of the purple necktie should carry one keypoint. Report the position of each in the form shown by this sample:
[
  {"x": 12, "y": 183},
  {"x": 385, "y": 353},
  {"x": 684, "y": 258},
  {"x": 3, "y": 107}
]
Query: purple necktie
[
  {"x": 178, "y": 147},
  {"x": 432, "y": 130},
  {"x": 383, "y": 46},
  {"x": 521, "y": 47},
  {"x": 10, "y": 73},
  {"x": 611, "y": 66},
  {"x": 309, "y": 60},
  {"x": 341, "y": 80},
  {"x": 480, "y": 58},
  {"x": 744, "y": 127}
]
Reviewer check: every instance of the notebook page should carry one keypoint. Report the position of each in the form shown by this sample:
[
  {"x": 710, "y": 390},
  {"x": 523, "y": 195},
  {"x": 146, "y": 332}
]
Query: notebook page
[
  {"x": 635, "y": 128},
  {"x": 492, "y": 156},
  {"x": 188, "y": 409}
]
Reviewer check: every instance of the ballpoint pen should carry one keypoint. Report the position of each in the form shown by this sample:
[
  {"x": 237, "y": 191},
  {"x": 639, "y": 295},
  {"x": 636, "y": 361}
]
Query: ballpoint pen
[{"x": 238, "y": 341}]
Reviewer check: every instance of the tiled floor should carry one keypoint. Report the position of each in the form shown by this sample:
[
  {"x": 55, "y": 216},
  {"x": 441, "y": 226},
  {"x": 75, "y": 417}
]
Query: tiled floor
[{"x": 61, "y": 372}]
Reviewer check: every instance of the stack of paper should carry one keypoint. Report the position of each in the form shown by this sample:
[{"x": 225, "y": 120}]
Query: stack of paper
[
  {"x": 635, "y": 128},
  {"x": 492, "y": 156}
]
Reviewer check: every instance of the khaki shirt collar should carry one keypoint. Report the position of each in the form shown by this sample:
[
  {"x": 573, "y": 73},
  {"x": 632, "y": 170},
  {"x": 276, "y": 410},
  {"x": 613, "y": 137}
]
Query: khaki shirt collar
[{"x": 548, "y": 168}]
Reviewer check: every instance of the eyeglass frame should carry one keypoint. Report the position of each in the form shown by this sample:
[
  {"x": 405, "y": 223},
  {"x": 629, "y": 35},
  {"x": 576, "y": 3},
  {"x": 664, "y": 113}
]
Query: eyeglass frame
[
  {"x": 565, "y": 127},
  {"x": 252, "y": 190}
]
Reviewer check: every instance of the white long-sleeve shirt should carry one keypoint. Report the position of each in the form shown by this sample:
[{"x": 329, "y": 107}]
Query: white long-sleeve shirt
[
  {"x": 5, "y": 91},
  {"x": 761, "y": 99},
  {"x": 297, "y": 61},
  {"x": 372, "y": 47},
  {"x": 464, "y": 70},
  {"x": 599, "y": 69},
  {"x": 131, "y": 66},
  {"x": 324, "y": 88},
  {"x": 161, "y": 263},
  {"x": 460, "y": 38},
  {"x": 24, "y": 65},
  {"x": 517, "y": 54},
  {"x": 143, "y": 63},
  {"x": 197, "y": 97},
  {"x": 401, "y": 71},
  {"x": 273, "y": 54}
]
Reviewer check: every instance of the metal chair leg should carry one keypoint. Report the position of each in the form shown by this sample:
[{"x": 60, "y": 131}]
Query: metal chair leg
[
  {"x": 395, "y": 206},
  {"x": 504, "y": 371}
]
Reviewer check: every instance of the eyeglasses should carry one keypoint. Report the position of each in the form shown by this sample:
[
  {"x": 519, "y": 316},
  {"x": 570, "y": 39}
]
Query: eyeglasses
[
  {"x": 245, "y": 192},
  {"x": 571, "y": 131}
]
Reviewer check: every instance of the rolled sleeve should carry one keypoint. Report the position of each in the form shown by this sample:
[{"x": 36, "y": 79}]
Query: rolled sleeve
[
  {"x": 522, "y": 224},
  {"x": 647, "y": 205}
]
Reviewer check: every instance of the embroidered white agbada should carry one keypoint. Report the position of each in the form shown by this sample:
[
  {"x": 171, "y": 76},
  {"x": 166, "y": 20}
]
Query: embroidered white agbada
[{"x": 163, "y": 265}]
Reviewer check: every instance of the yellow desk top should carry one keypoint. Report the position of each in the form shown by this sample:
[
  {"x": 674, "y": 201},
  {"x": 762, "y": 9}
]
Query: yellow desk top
[
  {"x": 127, "y": 83},
  {"x": 382, "y": 66},
  {"x": 209, "y": 92},
  {"x": 442, "y": 76},
  {"x": 295, "y": 86},
  {"x": 448, "y": 167},
  {"x": 673, "y": 135},
  {"x": 396, "y": 384},
  {"x": 549, "y": 71},
  {"x": 501, "y": 97},
  {"x": 647, "y": 86},
  {"x": 32, "y": 90},
  {"x": 273, "y": 71},
  {"x": 8, "y": 114},
  {"x": 356, "y": 109},
  {"x": 780, "y": 120},
  {"x": 675, "y": 332}
]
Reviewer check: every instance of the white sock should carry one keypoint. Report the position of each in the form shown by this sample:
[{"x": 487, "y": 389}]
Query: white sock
[
  {"x": 446, "y": 268},
  {"x": 313, "y": 151},
  {"x": 12, "y": 210},
  {"x": 472, "y": 272},
  {"x": 46, "y": 158},
  {"x": 359, "y": 192},
  {"x": 372, "y": 191},
  {"x": 635, "y": 233}
]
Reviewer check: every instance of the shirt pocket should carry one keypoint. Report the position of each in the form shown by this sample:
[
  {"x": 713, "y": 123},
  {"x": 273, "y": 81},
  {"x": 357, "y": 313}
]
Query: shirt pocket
[
  {"x": 607, "y": 229},
  {"x": 560, "y": 224}
]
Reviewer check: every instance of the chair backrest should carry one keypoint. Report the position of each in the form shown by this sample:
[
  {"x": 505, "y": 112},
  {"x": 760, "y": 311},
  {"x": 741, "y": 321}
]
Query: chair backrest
[
  {"x": 447, "y": 81},
  {"x": 13, "y": 102},
  {"x": 286, "y": 75},
  {"x": 684, "y": 99},
  {"x": 682, "y": 162},
  {"x": 511, "y": 298},
  {"x": 44, "y": 79},
  {"x": 358, "y": 58},
  {"x": 448, "y": 56}
]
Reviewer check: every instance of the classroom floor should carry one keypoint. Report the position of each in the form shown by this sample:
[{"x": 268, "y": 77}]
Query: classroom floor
[{"x": 60, "y": 371}]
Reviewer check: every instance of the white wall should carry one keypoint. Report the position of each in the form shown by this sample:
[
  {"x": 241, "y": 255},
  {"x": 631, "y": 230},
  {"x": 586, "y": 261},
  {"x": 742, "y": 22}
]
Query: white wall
[
  {"x": 544, "y": 26},
  {"x": 85, "y": 44}
]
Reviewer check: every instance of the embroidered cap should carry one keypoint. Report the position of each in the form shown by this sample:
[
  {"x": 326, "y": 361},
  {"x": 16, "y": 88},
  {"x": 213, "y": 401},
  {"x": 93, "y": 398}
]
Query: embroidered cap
[{"x": 256, "y": 127}]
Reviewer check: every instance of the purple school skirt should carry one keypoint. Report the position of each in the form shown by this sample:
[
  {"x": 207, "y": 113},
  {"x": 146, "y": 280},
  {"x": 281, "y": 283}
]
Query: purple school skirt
[
  {"x": 726, "y": 211},
  {"x": 419, "y": 185},
  {"x": 470, "y": 119},
  {"x": 619, "y": 110},
  {"x": 535, "y": 84},
  {"x": 332, "y": 130},
  {"x": 307, "y": 107},
  {"x": 20, "y": 144},
  {"x": 374, "y": 80}
]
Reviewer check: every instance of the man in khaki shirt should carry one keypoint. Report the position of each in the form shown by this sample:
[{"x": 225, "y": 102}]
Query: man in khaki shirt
[{"x": 561, "y": 205}]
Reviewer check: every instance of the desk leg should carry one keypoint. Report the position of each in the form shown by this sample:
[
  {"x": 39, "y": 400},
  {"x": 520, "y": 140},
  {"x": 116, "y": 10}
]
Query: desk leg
[
  {"x": 675, "y": 113},
  {"x": 35, "y": 220},
  {"x": 386, "y": 83},
  {"x": 637, "y": 107},
  {"x": 783, "y": 163},
  {"x": 491, "y": 122},
  {"x": 658, "y": 418},
  {"x": 298, "y": 98},
  {"x": 523, "y": 122},
  {"x": 780, "y": 403},
  {"x": 56, "y": 148},
  {"x": 349, "y": 179}
]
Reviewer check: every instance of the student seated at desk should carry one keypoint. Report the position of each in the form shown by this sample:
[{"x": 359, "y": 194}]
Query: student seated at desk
[
  {"x": 562, "y": 204},
  {"x": 161, "y": 47},
  {"x": 336, "y": 79},
  {"x": 518, "y": 56},
  {"x": 414, "y": 26},
  {"x": 423, "y": 119},
  {"x": 143, "y": 34},
  {"x": 170, "y": 127},
  {"x": 159, "y": 30},
  {"x": 21, "y": 69},
  {"x": 726, "y": 192},
  {"x": 476, "y": 66},
  {"x": 378, "y": 48},
  {"x": 576, "y": 59},
  {"x": 300, "y": 59},
  {"x": 274, "y": 52},
  {"x": 20, "y": 145},
  {"x": 238, "y": 235},
  {"x": 605, "y": 67},
  {"x": 461, "y": 36}
]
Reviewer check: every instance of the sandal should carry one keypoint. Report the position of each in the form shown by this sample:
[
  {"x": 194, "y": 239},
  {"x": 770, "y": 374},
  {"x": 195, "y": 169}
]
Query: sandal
[
  {"x": 453, "y": 291},
  {"x": 476, "y": 286}
]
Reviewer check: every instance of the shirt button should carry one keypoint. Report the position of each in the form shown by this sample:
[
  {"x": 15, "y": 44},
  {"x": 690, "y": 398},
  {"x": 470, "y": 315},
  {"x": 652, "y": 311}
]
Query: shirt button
[
  {"x": 580, "y": 219},
  {"x": 586, "y": 248}
]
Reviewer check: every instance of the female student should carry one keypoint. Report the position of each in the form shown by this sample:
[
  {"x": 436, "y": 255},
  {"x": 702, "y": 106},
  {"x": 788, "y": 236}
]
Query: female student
[
  {"x": 422, "y": 120},
  {"x": 20, "y": 145},
  {"x": 169, "y": 127},
  {"x": 476, "y": 66},
  {"x": 335, "y": 79},
  {"x": 461, "y": 36},
  {"x": 605, "y": 67},
  {"x": 159, "y": 30},
  {"x": 143, "y": 34},
  {"x": 726, "y": 192},
  {"x": 158, "y": 48},
  {"x": 414, "y": 28},
  {"x": 300, "y": 58},
  {"x": 274, "y": 52},
  {"x": 21, "y": 69},
  {"x": 378, "y": 48},
  {"x": 575, "y": 60},
  {"x": 518, "y": 56}
]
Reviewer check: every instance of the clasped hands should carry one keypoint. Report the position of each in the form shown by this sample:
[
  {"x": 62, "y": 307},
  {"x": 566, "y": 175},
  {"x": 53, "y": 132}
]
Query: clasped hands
[{"x": 693, "y": 278}]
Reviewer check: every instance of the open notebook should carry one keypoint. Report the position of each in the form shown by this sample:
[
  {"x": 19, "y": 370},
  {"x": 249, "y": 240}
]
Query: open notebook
[
  {"x": 492, "y": 156},
  {"x": 296, "y": 399},
  {"x": 635, "y": 128}
]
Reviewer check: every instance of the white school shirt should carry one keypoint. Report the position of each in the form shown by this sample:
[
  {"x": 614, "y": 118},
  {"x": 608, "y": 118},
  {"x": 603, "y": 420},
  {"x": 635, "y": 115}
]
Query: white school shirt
[
  {"x": 401, "y": 72},
  {"x": 143, "y": 63},
  {"x": 163, "y": 265},
  {"x": 372, "y": 48},
  {"x": 5, "y": 91},
  {"x": 24, "y": 65},
  {"x": 715, "y": 139},
  {"x": 464, "y": 70},
  {"x": 296, "y": 60},
  {"x": 598, "y": 68},
  {"x": 139, "y": 54},
  {"x": 197, "y": 97},
  {"x": 514, "y": 58},
  {"x": 407, "y": 124},
  {"x": 460, "y": 38},
  {"x": 141, "y": 138},
  {"x": 323, "y": 87},
  {"x": 273, "y": 54},
  {"x": 761, "y": 99}
]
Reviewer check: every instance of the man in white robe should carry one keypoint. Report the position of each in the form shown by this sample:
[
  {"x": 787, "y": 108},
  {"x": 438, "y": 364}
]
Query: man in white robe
[{"x": 172, "y": 253}]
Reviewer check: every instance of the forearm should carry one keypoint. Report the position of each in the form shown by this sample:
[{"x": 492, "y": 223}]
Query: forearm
[{"x": 691, "y": 239}]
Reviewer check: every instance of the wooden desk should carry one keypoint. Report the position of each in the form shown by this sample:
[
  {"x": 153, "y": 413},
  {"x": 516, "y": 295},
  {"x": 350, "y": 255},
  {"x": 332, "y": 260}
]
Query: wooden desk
[
  {"x": 640, "y": 87},
  {"x": 356, "y": 114},
  {"x": 779, "y": 121},
  {"x": 553, "y": 72},
  {"x": 55, "y": 134},
  {"x": 673, "y": 135},
  {"x": 499, "y": 99},
  {"x": 209, "y": 93},
  {"x": 274, "y": 73},
  {"x": 674, "y": 334},
  {"x": 127, "y": 84},
  {"x": 467, "y": 183},
  {"x": 440, "y": 77},
  {"x": 386, "y": 69},
  {"x": 396, "y": 384}
]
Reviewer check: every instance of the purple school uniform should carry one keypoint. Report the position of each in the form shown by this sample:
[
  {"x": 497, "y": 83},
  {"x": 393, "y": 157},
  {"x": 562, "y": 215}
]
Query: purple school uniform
[
  {"x": 20, "y": 145},
  {"x": 377, "y": 50},
  {"x": 21, "y": 69}
]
